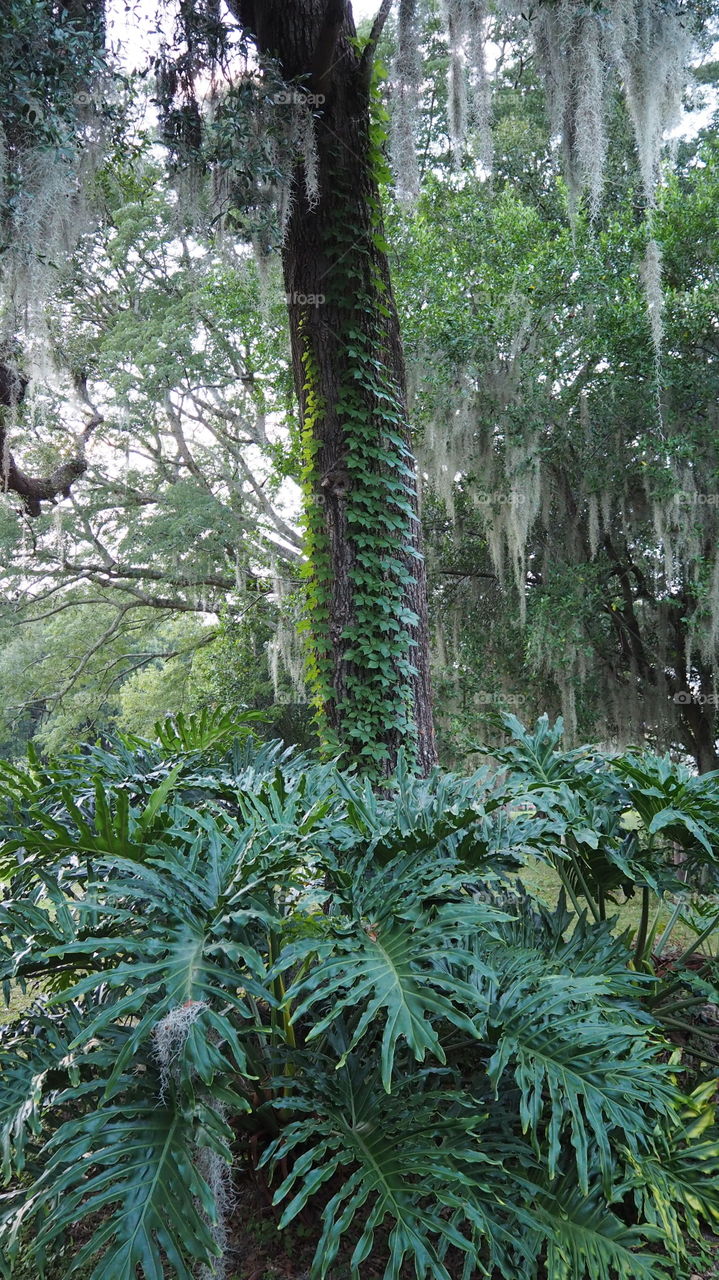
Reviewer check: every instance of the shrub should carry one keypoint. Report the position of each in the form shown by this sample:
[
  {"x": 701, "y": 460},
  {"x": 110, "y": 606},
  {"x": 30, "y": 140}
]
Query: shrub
[{"x": 247, "y": 957}]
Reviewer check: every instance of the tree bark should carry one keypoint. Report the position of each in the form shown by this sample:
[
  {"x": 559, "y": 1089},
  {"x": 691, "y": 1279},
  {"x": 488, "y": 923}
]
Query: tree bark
[
  {"x": 696, "y": 714},
  {"x": 369, "y": 633},
  {"x": 698, "y": 720},
  {"x": 34, "y": 490}
]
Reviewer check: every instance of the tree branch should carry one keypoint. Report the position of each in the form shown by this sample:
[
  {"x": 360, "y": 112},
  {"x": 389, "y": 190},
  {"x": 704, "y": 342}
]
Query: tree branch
[
  {"x": 370, "y": 49},
  {"x": 323, "y": 58},
  {"x": 119, "y": 572},
  {"x": 34, "y": 490},
  {"x": 106, "y": 635}
]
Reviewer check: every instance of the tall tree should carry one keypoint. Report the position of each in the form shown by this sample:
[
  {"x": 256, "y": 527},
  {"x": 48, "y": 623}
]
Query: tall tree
[
  {"x": 370, "y": 652},
  {"x": 574, "y": 477},
  {"x": 367, "y": 623},
  {"x": 367, "y": 599},
  {"x": 187, "y": 510}
]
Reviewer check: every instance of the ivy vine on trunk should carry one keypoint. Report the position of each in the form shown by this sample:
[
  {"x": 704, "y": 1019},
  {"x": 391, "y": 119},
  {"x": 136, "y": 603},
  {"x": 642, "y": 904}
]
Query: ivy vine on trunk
[{"x": 367, "y": 617}]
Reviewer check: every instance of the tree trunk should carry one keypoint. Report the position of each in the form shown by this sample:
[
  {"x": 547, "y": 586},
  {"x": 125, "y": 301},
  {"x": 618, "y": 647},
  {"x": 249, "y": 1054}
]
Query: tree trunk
[
  {"x": 34, "y": 490},
  {"x": 367, "y": 629},
  {"x": 699, "y": 722},
  {"x": 695, "y": 711}
]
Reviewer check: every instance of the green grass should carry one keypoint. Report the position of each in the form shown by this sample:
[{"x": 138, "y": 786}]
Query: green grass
[
  {"x": 19, "y": 1002},
  {"x": 542, "y": 880}
]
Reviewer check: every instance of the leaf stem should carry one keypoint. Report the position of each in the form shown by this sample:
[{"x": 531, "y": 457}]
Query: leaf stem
[{"x": 641, "y": 938}]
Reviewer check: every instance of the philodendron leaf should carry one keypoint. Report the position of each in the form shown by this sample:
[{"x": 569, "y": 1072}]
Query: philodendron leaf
[{"x": 399, "y": 975}]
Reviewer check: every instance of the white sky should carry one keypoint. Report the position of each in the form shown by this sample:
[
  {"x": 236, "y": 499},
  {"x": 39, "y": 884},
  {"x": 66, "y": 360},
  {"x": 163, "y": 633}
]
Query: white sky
[
  {"x": 364, "y": 9},
  {"x": 128, "y": 22}
]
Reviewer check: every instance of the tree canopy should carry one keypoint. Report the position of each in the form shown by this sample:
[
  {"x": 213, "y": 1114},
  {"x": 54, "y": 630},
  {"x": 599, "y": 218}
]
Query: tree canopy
[
  {"x": 568, "y": 460},
  {"x": 358, "y": 389}
]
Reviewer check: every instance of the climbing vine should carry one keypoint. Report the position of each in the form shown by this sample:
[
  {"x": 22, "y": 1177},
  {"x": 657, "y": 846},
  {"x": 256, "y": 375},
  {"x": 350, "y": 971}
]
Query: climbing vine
[
  {"x": 317, "y": 568},
  {"x": 374, "y": 707},
  {"x": 379, "y": 516}
]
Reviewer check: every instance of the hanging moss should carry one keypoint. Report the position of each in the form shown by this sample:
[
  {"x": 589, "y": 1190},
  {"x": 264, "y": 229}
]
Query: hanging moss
[
  {"x": 582, "y": 52},
  {"x": 406, "y": 77},
  {"x": 652, "y": 281},
  {"x": 57, "y": 107},
  {"x": 285, "y": 651},
  {"x": 547, "y": 497},
  {"x": 456, "y": 17}
]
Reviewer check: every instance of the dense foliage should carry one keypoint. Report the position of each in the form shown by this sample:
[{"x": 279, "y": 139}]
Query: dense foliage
[
  {"x": 231, "y": 964},
  {"x": 567, "y": 477},
  {"x": 572, "y": 479},
  {"x": 541, "y": 418},
  {"x": 242, "y": 959}
]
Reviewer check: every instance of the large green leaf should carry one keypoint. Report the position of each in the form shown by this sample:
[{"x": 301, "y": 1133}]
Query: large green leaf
[
  {"x": 413, "y": 1158},
  {"x": 581, "y": 1071},
  {"x": 135, "y": 1159},
  {"x": 394, "y": 961},
  {"x": 205, "y": 730},
  {"x": 587, "y": 1241}
]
